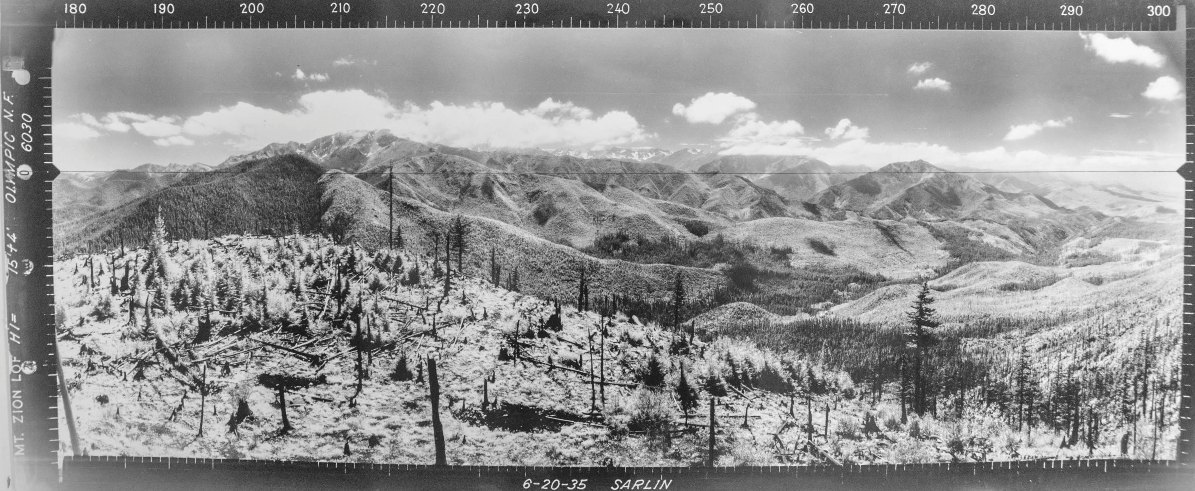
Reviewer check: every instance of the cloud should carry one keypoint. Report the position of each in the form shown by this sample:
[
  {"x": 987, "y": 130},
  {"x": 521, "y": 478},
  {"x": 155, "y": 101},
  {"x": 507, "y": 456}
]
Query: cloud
[
  {"x": 551, "y": 124},
  {"x": 552, "y": 109},
  {"x": 933, "y": 84},
  {"x": 1023, "y": 131},
  {"x": 313, "y": 77},
  {"x": 176, "y": 140},
  {"x": 74, "y": 131},
  {"x": 352, "y": 60},
  {"x": 1121, "y": 50},
  {"x": 109, "y": 122},
  {"x": 920, "y": 67},
  {"x": 159, "y": 127},
  {"x": 846, "y": 131},
  {"x": 713, "y": 108},
  {"x": 1119, "y": 115},
  {"x": 1165, "y": 88},
  {"x": 124, "y": 121},
  {"x": 749, "y": 130}
]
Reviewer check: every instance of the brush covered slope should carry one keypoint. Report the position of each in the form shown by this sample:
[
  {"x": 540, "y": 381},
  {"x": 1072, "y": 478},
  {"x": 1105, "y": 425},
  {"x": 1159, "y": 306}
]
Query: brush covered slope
[{"x": 297, "y": 348}]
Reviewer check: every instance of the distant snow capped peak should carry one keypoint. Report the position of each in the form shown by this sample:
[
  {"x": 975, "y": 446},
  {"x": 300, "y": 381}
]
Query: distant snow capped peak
[
  {"x": 172, "y": 168},
  {"x": 632, "y": 154},
  {"x": 336, "y": 147}
]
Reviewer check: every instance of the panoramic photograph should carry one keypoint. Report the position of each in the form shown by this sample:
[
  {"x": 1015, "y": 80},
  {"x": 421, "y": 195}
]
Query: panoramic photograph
[{"x": 641, "y": 248}]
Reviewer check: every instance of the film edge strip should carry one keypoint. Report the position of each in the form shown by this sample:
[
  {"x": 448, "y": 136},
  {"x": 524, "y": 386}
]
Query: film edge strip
[
  {"x": 1111, "y": 15},
  {"x": 32, "y": 368},
  {"x": 1185, "y": 453},
  {"x": 29, "y": 171}
]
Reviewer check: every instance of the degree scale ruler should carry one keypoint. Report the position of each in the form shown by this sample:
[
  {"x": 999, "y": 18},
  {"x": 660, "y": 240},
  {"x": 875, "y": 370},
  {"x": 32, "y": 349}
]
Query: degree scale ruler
[
  {"x": 1115, "y": 15},
  {"x": 27, "y": 35}
]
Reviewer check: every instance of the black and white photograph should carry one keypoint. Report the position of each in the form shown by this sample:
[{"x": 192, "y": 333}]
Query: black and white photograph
[{"x": 563, "y": 247}]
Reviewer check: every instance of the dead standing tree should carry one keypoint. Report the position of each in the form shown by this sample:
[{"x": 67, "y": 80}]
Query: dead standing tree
[
  {"x": 713, "y": 425},
  {"x": 437, "y": 427}
]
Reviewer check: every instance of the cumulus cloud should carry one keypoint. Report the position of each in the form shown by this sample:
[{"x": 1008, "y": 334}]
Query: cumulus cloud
[
  {"x": 74, "y": 131},
  {"x": 846, "y": 131},
  {"x": 713, "y": 108},
  {"x": 158, "y": 127},
  {"x": 557, "y": 110},
  {"x": 550, "y": 124},
  {"x": 1121, "y": 50},
  {"x": 753, "y": 131},
  {"x": 920, "y": 67},
  {"x": 933, "y": 84},
  {"x": 176, "y": 140},
  {"x": 1023, "y": 131},
  {"x": 124, "y": 121},
  {"x": 109, "y": 122},
  {"x": 1165, "y": 88},
  {"x": 312, "y": 77}
]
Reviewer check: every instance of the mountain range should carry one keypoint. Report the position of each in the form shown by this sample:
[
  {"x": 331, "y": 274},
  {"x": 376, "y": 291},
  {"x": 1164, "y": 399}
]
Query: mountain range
[{"x": 916, "y": 214}]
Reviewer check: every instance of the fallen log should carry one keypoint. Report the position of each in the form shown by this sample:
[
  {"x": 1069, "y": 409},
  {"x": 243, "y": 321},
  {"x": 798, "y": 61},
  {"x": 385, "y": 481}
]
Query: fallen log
[
  {"x": 311, "y": 358},
  {"x": 567, "y": 369}
]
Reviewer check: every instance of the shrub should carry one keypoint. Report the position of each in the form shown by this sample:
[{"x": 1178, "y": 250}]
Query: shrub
[
  {"x": 1012, "y": 445},
  {"x": 1034, "y": 284},
  {"x": 955, "y": 446},
  {"x": 103, "y": 309},
  {"x": 847, "y": 428},
  {"x": 742, "y": 275},
  {"x": 714, "y": 385},
  {"x": 820, "y": 247},
  {"x": 780, "y": 253},
  {"x": 543, "y": 213},
  {"x": 915, "y": 429},
  {"x": 650, "y": 412},
  {"x": 869, "y": 424},
  {"x": 401, "y": 372},
  {"x": 699, "y": 229}
]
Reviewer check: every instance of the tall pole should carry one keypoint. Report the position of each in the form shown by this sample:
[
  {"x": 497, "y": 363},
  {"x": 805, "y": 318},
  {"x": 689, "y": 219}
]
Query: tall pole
[{"x": 390, "y": 200}]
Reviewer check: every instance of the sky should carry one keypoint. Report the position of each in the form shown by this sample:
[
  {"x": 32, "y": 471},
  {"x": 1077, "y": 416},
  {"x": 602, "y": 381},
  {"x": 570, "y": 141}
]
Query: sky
[{"x": 991, "y": 99}]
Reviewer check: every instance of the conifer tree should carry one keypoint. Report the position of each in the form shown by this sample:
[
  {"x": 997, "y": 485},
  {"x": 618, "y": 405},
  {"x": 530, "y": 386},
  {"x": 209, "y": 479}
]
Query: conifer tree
[
  {"x": 512, "y": 281},
  {"x": 495, "y": 268},
  {"x": 687, "y": 395},
  {"x": 653, "y": 376},
  {"x": 919, "y": 338},
  {"x": 1024, "y": 389},
  {"x": 678, "y": 302},
  {"x": 458, "y": 232},
  {"x": 582, "y": 291}
]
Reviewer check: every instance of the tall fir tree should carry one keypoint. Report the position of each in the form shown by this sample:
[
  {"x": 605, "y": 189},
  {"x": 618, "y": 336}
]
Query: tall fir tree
[
  {"x": 459, "y": 231},
  {"x": 678, "y": 301},
  {"x": 919, "y": 337}
]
